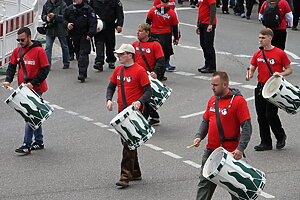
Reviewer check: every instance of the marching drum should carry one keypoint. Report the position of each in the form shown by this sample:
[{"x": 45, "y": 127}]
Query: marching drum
[
  {"x": 132, "y": 127},
  {"x": 236, "y": 176},
  {"x": 29, "y": 105},
  {"x": 282, "y": 94},
  {"x": 160, "y": 93}
]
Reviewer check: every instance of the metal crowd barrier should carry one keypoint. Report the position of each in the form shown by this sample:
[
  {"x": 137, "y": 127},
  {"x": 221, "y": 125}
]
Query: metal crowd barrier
[{"x": 28, "y": 16}]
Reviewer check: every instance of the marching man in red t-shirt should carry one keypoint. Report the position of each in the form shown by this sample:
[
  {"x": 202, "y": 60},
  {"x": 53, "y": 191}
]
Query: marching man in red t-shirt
[
  {"x": 149, "y": 54},
  {"x": 206, "y": 26},
  {"x": 267, "y": 113},
  {"x": 137, "y": 91},
  {"x": 164, "y": 22},
  {"x": 233, "y": 113},
  {"x": 37, "y": 68}
]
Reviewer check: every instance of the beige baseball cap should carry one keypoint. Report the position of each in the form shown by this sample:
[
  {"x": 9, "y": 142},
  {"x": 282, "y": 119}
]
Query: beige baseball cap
[{"x": 125, "y": 48}]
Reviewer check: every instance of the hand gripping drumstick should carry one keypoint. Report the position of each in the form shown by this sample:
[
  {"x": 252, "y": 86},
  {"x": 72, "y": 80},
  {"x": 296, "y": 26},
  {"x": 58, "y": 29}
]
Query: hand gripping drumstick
[{"x": 193, "y": 145}]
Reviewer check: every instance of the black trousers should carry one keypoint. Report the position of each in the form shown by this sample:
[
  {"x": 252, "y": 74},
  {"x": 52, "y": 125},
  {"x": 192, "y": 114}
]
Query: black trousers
[
  {"x": 225, "y": 5},
  {"x": 296, "y": 12},
  {"x": 207, "y": 45},
  {"x": 249, "y": 7},
  {"x": 71, "y": 46},
  {"x": 239, "y": 7},
  {"x": 279, "y": 38},
  {"x": 105, "y": 41},
  {"x": 82, "y": 48},
  {"x": 267, "y": 117},
  {"x": 149, "y": 111}
]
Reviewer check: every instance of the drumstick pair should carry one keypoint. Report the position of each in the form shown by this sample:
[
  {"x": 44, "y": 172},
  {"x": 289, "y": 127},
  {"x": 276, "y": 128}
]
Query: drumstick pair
[
  {"x": 190, "y": 146},
  {"x": 10, "y": 88}
]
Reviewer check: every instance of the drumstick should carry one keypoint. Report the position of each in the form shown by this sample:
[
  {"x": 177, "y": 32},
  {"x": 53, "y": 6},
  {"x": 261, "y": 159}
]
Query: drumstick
[
  {"x": 10, "y": 88},
  {"x": 193, "y": 145}
]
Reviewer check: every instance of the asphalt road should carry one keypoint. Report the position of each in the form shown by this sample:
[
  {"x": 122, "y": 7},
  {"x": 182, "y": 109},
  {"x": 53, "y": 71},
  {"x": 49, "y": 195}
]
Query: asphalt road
[{"x": 82, "y": 154}]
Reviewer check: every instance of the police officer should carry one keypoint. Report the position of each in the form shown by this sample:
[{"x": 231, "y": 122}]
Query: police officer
[
  {"x": 82, "y": 24},
  {"x": 111, "y": 14}
]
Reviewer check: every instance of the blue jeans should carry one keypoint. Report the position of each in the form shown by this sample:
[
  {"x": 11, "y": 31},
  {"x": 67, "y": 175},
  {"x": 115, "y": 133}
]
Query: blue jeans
[
  {"x": 64, "y": 48},
  {"x": 29, "y": 132}
]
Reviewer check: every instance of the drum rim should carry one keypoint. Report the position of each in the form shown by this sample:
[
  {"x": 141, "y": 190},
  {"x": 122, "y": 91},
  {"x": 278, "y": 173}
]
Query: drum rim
[
  {"x": 120, "y": 116},
  {"x": 220, "y": 166},
  {"x": 270, "y": 80}
]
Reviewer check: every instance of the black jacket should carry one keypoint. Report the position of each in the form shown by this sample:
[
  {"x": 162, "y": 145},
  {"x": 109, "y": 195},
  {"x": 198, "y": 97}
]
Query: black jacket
[
  {"x": 84, "y": 19},
  {"x": 58, "y": 27},
  {"x": 109, "y": 11}
]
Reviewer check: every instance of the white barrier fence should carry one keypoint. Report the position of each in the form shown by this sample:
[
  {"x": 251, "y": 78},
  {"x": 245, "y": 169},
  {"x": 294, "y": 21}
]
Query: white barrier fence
[{"x": 28, "y": 16}]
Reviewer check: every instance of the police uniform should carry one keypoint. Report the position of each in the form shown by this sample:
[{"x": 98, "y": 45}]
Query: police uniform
[
  {"x": 111, "y": 14},
  {"x": 84, "y": 19}
]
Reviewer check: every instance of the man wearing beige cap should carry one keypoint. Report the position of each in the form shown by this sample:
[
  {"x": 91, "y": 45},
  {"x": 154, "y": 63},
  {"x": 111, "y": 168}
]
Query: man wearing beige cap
[{"x": 133, "y": 89}]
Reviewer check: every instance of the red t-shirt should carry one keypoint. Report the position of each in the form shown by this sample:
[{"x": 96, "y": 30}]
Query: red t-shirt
[
  {"x": 162, "y": 23},
  {"x": 284, "y": 8},
  {"x": 231, "y": 119},
  {"x": 34, "y": 60},
  {"x": 152, "y": 51},
  {"x": 135, "y": 78},
  {"x": 204, "y": 11},
  {"x": 277, "y": 59},
  {"x": 171, "y": 3}
]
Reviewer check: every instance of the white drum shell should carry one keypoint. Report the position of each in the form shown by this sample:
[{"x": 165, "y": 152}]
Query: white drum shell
[
  {"x": 126, "y": 119},
  {"x": 20, "y": 96},
  {"x": 217, "y": 170},
  {"x": 282, "y": 94}
]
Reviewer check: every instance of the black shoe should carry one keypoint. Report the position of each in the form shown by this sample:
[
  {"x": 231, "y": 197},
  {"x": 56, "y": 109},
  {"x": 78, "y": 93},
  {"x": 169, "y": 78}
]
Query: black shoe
[
  {"x": 294, "y": 28},
  {"x": 281, "y": 143},
  {"x": 163, "y": 78},
  {"x": 202, "y": 68},
  {"x": 37, "y": 146},
  {"x": 23, "y": 149},
  {"x": 71, "y": 57},
  {"x": 248, "y": 17},
  {"x": 111, "y": 65},
  {"x": 225, "y": 12},
  {"x": 153, "y": 122},
  {"x": 207, "y": 70},
  {"x": 66, "y": 66},
  {"x": 81, "y": 78},
  {"x": 122, "y": 184},
  {"x": 262, "y": 147},
  {"x": 98, "y": 66}
]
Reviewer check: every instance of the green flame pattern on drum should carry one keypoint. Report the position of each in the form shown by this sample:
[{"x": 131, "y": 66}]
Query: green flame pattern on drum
[
  {"x": 160, "y": 93},
  {"x": 253, "y": 183},
  {"x": 34, "y": 117}
]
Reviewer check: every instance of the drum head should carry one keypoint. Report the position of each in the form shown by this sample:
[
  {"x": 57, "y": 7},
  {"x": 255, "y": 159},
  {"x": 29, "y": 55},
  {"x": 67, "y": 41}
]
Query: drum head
[
  {"x": 271, "y": 87},
  {"x": 213, "y": 162}
]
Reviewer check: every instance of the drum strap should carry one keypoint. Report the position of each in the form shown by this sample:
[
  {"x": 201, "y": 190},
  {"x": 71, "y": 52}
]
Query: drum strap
[
  {"x": 22, "y": 63},
  {"x": 266, "y": 60},
  {"x": 220, "y": 128},
  {"x": 144, "y": 57},
  {"x": 124, "y": 104}
]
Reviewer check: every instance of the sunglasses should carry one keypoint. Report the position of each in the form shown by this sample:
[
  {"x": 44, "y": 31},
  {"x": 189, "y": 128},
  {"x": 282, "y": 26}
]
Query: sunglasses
[{"x": 21, "y": 40}]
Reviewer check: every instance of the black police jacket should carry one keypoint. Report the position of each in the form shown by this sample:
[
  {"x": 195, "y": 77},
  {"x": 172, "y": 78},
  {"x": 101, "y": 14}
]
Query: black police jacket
[
  {"x": 109, "y": 11},
  {"x": 84, "y": 19}
]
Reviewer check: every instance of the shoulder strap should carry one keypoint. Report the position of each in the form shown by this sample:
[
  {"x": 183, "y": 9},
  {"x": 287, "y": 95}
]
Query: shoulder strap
[
  {"x": 22, "y": 63},
  {"x": 124, "y": 104},
  {"x": 144, "y": 57},
  {"x": 220, "y": 128},
  {"x": 265, "y": 58}
]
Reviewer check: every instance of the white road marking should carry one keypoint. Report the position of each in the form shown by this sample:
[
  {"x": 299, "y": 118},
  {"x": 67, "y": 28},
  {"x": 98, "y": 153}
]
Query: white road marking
[
  {"x": 243, "y": 56},
  {"x": 113, "y": 130},
  {"x": 203, "y": 77},
  {"x": 223, "y": 53},
  {"x": 192, "y": 115},
  {"x": 250, "y": 98},
  {"x": 154, "y": 147},
  {"x": 71, "y": 112},
  {"x": 191, "y": 25},
  {"x": 101, "y": 125},
  {"x": 171, "y": 154},
  {"x": 129, "y": 36},
  {"x": 185, "y": 73},
  {"x": 294, "y": 63},
  {"x": 189, "y": 162},
  {"x": 57, "y": 107},
  {"x": 249, "y": 86},
  {"x": 85, "y": 118},
  {"x": 292, "y": 54},
  {"x": 234, "y": 83}
]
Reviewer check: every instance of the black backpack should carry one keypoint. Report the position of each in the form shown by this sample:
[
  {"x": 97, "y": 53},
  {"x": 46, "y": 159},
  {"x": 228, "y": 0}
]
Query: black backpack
[{"x": 271, "y": 16}]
